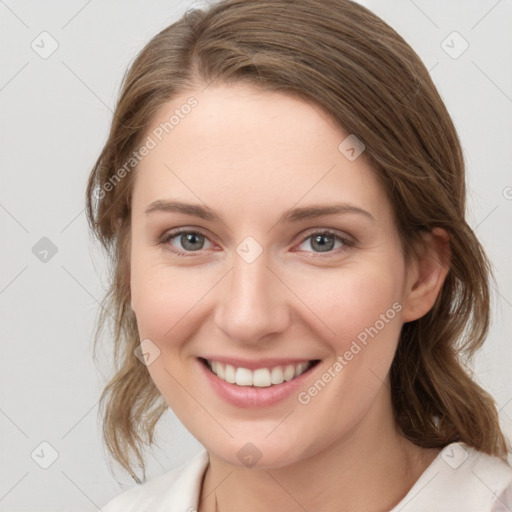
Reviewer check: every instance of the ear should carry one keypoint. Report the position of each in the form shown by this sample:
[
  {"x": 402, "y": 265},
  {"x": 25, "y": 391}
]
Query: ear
[{"x": 426, "y": 275}]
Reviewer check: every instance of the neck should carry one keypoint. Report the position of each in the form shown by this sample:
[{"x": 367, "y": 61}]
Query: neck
[{"x": 370, "y": 469}]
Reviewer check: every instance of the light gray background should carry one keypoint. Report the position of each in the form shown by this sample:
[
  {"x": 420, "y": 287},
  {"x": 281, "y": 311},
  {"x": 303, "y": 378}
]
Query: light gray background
[{"x": 55, "y": 118}]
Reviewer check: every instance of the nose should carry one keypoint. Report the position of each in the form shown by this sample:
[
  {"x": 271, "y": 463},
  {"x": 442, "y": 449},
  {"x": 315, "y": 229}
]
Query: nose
[{"x": 252, "y": 302}]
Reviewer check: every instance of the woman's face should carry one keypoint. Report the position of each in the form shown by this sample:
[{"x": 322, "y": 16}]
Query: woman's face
[{"x": 291, "y": 256}]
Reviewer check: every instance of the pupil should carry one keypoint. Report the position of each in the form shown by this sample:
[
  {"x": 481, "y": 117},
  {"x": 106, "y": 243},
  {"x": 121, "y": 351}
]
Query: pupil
[
  {"x": 189, "y": 241},
  {"x": 325, "y": 242}
]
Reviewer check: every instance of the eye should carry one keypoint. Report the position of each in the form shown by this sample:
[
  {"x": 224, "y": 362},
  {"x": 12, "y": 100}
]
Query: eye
[
  {"x": 185, "y": 241},
  {"x": 324, "y": 241}
]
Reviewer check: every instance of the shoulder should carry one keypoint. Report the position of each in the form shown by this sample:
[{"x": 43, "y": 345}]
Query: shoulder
[
  {"x": 461, "y": 479},
  {"x": 175, "y": 490}
]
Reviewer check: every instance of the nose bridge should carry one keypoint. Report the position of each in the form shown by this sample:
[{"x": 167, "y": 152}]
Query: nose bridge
[{"x": 252, "y": 304}]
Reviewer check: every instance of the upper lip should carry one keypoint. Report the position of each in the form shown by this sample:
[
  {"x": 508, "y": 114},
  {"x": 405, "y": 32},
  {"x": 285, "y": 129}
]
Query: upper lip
[{"x": 254, "y": 364}]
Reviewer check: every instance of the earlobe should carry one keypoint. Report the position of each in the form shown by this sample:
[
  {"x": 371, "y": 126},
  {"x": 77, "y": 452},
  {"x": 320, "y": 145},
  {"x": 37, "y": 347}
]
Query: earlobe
[{"x": 426, "y": 275}]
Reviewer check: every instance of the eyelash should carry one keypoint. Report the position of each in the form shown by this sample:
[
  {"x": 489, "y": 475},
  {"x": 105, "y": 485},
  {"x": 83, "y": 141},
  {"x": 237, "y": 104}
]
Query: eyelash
[{"x": 168, "y": 236}]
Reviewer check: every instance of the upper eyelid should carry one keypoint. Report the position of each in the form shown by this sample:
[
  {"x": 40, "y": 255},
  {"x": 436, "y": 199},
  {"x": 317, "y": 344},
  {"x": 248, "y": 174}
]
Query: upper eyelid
[{"x": 172, "y": 233}]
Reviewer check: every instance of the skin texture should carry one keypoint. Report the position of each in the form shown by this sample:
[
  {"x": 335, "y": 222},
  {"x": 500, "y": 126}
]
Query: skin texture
[{"x": 250, "y": 155}]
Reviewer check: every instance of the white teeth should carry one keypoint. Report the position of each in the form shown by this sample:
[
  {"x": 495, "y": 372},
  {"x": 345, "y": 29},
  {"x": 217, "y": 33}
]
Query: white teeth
[
  {"x": 220, "y": 371},
  {"x": 243, "y": 377},
  {"x": 276, "y": 377},
  {"x": 300, "y": 368},
  {"x": 289, "y": 372},
  {"x": 262, "y": 377},
  {"x": 229, "y": 374}
]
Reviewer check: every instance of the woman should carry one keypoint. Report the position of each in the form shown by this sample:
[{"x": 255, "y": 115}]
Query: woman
[{"x": 282, "y": 196}]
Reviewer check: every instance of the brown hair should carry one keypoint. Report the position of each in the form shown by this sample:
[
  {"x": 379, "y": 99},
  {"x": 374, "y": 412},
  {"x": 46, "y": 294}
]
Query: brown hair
[{"x": 341, "y": 57}]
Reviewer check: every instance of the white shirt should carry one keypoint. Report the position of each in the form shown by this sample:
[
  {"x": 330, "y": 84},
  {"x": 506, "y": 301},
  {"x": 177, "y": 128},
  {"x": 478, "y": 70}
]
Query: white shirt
[{"x": 460, "y": 479}]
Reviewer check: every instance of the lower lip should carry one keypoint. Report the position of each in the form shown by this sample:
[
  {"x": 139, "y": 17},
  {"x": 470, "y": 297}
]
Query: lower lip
[{"x": 253, "y": 396}]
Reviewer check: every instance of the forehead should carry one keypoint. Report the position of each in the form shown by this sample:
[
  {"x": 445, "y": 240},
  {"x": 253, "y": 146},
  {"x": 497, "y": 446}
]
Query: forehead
[{"x": 243, "y": 147}]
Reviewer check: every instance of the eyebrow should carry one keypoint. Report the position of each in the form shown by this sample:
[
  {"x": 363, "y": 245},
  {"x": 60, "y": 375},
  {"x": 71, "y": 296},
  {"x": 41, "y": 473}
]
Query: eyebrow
[{"x": 292, "y": 215}]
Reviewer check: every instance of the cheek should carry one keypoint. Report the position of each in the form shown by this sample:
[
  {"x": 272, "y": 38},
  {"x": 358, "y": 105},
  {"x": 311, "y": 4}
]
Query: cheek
[
  {"x": 163, "y": 296},
  {"x": 164, "y": 299},
  {"x": 363, "y": 308},
  {"x": 371, "y": 307},
  {"x": 353, "y": 301}
]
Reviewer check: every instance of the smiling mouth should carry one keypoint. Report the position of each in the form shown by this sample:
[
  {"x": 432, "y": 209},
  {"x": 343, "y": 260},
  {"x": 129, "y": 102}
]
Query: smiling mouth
[{"x": 260, "y": 377}]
